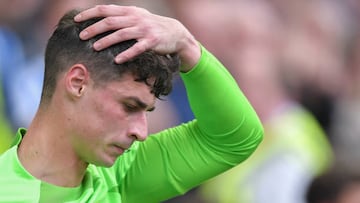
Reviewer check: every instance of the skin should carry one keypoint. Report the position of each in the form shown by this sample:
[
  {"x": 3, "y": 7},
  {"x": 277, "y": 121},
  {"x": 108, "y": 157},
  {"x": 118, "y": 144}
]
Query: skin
[
  {"x": 83, "y": 124},
  {"x": 351, "y": 194},
  {"x": 166, "y": 35},
  {"x": 97, "y": 125},
  {"x": 115, "y": 116}
]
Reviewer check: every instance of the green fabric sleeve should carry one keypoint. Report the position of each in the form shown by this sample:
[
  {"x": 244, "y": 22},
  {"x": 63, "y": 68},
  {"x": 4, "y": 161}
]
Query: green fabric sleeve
[{"x": 225, "y": 132}]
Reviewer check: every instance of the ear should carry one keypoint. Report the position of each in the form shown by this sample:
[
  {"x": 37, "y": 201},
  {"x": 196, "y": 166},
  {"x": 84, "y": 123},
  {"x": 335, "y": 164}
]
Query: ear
[{"x": 77, "y": 80}]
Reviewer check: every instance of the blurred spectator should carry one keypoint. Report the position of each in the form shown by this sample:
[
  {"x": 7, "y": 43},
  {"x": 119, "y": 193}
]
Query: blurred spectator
[
  {"x": 249, "y": 37},
  {"x": 5, "y": 130},
  {"x": 13, "y": 14},
  {"x": 335, "y": 186},
  {"x": 313, "y": 53},
  {"x": 9, "y": 56},
  {"x": 346, "y": 129},
  {"x": 15, "y": 31}
]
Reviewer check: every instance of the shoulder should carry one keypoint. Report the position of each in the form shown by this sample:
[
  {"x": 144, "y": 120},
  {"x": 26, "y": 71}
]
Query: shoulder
[{"x": 20, "y": 185}]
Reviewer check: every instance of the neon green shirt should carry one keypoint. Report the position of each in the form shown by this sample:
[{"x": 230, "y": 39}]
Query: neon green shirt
[{"x": 225, "y": 132}]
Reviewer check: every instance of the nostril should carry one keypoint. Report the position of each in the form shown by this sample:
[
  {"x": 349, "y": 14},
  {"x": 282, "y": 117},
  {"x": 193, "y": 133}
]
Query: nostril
[
  {"x": 139, "y": 136},
  {"x": 134, "y": 136}
]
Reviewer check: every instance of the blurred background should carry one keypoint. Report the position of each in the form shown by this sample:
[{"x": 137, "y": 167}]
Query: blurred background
[{"x": 298, "y": 62}]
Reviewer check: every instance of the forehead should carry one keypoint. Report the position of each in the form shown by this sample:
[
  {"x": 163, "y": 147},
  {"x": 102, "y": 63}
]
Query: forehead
[{"x": 127, "y": 87}]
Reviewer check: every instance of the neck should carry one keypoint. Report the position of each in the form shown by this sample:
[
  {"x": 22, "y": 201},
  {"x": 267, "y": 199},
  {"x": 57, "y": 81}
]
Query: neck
[{"x": 46, "y": 151}]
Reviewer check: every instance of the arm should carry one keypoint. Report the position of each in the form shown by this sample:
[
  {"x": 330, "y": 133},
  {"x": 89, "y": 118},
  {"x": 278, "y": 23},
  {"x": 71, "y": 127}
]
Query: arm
[{"x": 226, "y": 130}]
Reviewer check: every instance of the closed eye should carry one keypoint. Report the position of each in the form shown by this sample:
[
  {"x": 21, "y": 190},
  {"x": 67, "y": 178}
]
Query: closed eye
[
  {"x": 131, "y": 108},
  {"x": 133, "y": 104},
  {"x": 151, "y": 109}
]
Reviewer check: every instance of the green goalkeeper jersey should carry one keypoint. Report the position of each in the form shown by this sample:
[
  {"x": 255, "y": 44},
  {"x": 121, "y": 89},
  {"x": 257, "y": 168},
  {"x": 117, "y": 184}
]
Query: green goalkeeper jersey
[{"x": 225, "y": 132}]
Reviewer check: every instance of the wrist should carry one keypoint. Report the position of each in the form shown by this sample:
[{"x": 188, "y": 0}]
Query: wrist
[{"x": 190, "y": 54}]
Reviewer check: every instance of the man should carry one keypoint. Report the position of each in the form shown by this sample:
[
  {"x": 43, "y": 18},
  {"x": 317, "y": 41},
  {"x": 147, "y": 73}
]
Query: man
[{"x": 88, "y": 141}]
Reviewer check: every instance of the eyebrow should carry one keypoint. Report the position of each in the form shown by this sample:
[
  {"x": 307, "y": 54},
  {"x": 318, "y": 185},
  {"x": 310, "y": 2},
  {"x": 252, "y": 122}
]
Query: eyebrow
[{"x": 142, "y": 104}]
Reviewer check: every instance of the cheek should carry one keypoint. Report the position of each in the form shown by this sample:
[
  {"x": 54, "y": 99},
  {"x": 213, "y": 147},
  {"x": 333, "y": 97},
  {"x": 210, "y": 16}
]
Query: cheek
[{"x": 108, "y": 114}]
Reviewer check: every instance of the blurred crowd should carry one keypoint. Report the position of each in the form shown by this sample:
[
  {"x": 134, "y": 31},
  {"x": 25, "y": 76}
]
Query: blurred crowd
[{"x": 297, "y": 61}]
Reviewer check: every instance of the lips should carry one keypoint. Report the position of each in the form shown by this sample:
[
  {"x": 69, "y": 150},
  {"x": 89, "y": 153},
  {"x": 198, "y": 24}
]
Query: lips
[{"x": 118, "y": 150}]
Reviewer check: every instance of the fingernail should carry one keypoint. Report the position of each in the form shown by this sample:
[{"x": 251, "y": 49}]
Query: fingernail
[
  {"x": 78, "y": 17},
  {"x": 97, "y": 45},
  {"x": 83, "y": 34},
  {"x": 118, "y": 59}
]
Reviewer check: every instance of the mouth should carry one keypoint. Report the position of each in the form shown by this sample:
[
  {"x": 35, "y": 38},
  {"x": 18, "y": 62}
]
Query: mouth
[{"x": 118, "y": 150}]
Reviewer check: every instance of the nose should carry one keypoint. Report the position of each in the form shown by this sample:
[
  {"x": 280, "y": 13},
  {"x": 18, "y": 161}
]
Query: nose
[{"x": 138, "y": 126}]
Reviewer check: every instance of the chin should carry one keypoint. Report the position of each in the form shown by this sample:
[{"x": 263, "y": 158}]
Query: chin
[
  {"x": 103, "y": 164},
  {"x": 106, "y": 162},
  {"x": 103, "y": 159},
  {"x": 107, "y": 165}
]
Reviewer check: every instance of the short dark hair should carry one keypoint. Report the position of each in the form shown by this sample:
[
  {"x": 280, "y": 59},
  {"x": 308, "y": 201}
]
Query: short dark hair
[{"x": 65, "y": 49}]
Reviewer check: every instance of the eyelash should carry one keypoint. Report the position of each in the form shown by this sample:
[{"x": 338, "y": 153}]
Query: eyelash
[
  {"x": 134, "y": 108},
  {"x": 130, "y": 108}
]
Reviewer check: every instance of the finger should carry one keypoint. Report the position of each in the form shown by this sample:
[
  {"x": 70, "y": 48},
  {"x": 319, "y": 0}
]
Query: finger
[
  {"x": 101, "y": 11},
  {"x": 132, "y": 52},
  {"x": 106, "y": 24},
  {"x": 116, "y": 37}
]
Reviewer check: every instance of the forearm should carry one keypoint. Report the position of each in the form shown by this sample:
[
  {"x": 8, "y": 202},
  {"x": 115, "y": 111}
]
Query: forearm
[{"x": 216, "y": 100}]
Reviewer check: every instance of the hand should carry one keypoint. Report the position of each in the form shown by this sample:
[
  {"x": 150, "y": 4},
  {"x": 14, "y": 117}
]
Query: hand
[{"x": 153, "y": 32}]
